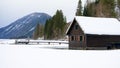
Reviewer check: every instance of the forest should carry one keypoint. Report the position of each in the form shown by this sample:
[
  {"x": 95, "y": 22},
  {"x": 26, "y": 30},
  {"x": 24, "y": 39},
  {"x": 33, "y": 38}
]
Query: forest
[{"x": 56, "y": 27}]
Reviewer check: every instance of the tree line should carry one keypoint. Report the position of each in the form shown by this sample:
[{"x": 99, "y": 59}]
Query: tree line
[
  {"x": 56, "y": 26},
  {"x": 99, "y": 8},
  {"x": 53, "y": 29}
]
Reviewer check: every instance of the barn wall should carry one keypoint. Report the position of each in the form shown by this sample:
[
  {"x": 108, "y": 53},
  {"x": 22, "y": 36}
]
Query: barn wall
[
  {"x": 102, "y": 40},
  {"x": 76, "y": 43}
]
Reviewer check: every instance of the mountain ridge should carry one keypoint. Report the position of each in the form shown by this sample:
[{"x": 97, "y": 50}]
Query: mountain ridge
[{"x": 24, "y": 27}]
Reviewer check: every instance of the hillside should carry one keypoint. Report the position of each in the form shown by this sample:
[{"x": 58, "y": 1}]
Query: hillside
[{"x": 24, "y": 27}]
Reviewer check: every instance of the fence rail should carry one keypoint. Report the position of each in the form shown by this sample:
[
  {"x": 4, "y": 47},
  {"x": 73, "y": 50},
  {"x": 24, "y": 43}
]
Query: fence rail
[{"x": 39, "y": 42}]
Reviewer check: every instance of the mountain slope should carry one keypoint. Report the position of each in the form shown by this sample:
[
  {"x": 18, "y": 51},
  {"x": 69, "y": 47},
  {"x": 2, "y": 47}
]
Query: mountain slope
[{"x": 23, "y": 27}]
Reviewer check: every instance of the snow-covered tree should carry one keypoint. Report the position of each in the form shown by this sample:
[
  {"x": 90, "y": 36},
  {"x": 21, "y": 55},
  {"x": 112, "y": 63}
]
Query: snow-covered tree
[{"x": 79, "y": 9}]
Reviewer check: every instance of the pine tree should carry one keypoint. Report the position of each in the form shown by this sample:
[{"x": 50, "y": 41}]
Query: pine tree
[
  {"x": 39, "y": 31},
  {"x": 118, "y": 2},
  {"x": 117, "y": 9},
  {"x": 36, "y": 32},
  {"x": 48, "y": 31},
  {"x": 54, "y": 27},
  {"x": 109, "y": 8},
  {"x": 85, "y": 12},
  {"x": 97, "y": 1},
  {"x": 79, "y": 9},
  {"x": 100, "y": 8},
  {"x": 89, "y": 9}
]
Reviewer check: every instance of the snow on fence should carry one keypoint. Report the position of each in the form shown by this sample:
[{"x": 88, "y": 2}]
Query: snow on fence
[{"x": 26, "y": 41}]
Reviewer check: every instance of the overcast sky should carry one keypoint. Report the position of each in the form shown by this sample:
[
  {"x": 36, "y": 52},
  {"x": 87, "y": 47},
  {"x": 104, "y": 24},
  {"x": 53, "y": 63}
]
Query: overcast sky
[{"x": 11, "y": 10}]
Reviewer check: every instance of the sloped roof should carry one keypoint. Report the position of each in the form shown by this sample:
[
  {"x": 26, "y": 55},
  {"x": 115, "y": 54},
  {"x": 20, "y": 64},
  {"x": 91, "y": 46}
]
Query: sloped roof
[{"x": 95, "y": 25}]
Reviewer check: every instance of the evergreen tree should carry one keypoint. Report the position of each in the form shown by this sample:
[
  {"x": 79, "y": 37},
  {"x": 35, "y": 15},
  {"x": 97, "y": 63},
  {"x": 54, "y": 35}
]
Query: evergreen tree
[
  {"x": 48, "y": 29},
  {"x": 109, "y": 8},
  {"x": 79, "y": 9},
  {"x": 97, "y": 1},
  {"x": 117, "y": 9},
  {"x": 36, "y": 32},
  {"x": 89, "y": 9},
  {"x": 118, "y": 2},
  {"x": 85, "y": 12},
  {"x": 39, "y": 31},
  {"x": 100, "y": 8},
  {"x": 54, "y": 27}
]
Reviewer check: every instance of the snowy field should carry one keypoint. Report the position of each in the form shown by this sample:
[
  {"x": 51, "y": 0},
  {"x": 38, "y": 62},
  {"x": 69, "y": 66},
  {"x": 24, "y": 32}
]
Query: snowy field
[{"x": 54, "y": 56}]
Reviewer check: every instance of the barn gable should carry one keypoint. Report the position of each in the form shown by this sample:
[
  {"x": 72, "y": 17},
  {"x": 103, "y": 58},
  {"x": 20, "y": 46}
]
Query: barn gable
[
  {"x": 76, "y": 36},
  {"x": 74, "y": 28}
]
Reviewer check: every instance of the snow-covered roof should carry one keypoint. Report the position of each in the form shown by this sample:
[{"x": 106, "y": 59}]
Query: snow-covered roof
[{"x": 101, "y": 26}]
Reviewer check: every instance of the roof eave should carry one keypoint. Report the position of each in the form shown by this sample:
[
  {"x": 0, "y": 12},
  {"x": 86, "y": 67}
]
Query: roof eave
[{"x": 69, "y": 27}]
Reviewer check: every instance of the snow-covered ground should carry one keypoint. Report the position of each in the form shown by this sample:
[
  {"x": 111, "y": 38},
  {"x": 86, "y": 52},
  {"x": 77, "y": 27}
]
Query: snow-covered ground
[{"x": 54, "y": 56}]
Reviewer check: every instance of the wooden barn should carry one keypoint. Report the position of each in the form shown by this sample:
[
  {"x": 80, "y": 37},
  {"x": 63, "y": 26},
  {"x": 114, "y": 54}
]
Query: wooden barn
[{"x": 94, "y": 33}]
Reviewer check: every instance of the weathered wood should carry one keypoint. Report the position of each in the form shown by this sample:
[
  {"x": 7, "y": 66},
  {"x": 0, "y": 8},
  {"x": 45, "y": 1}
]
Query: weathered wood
[
  {"x": 90, "y": 41},
  {"x": 103, "y": 40},
  {"x": 76, "y": 33}
]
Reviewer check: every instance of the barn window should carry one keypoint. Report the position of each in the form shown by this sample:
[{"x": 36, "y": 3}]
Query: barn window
[
  {"x": 76, "y": 27},
  {"x": 81, "y": 38},
  {"x": 72, "y": 38}
]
